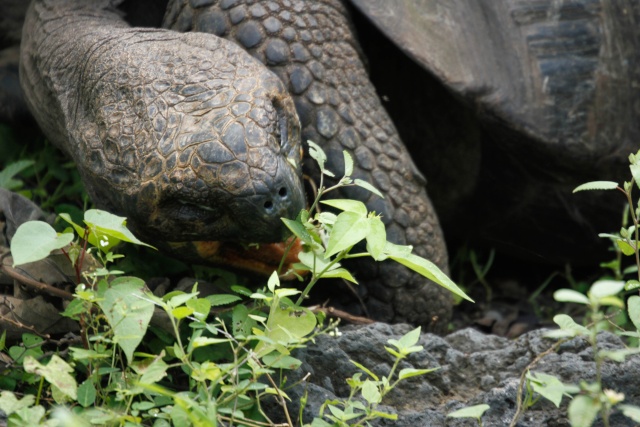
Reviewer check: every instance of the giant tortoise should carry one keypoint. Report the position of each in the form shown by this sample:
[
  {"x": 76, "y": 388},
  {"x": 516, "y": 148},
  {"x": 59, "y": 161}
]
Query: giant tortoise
[{"x": 189, "y": 136}]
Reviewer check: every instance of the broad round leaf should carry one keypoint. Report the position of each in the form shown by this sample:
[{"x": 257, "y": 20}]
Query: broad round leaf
[
  {"x": 34, "y": 240},
  {"x": 606, "y": 288},
  {"x": 569, "y": 295}
]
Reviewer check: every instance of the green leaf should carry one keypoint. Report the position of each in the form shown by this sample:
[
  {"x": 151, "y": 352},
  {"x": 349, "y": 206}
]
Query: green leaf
[
  {"x": 430, "y": 271},
  {"x": 35, "y": 240},
  {"x": 10, "y": 171},
  {"x": 631, "y": 411},
  {"x": 548, "y": 386},
  {"x": 57, "y": 373},
  {"x": 348, "y": 205},
  {"x": 633, "y": 304},
  {"x": 104, "y": 224},
  {"x": 376, "y": 239},
  {"x": 618, "y": 355},
  {"x": 411, "y": 372},
  {"x": 128, "y": 312},
  {"x": 286, "y": 325},
  {"x": 625, "y": 247},
  {"x": 365, "y": 369},
  {"x": 597, "y": 185},
  {"x": 298, "y": 230},
  {"x": 475, "y": 411},
  {"x": 86, "y": 394},
  {"x": 279, "y": 361},
  {"x": 181, "y": 312},
  {"x": 348, "y": 163},
  {"x": 606, "y": 288},
  {"x": 200, "y": 306},
  {"x": 222, "y": 299},
  {"x": 273, "y": 282},
  {"x": 349, "y": 229},
  {"x": 569, "y": 295},
  {"x": 317, "y": 154},
  {"x": 583, "y": 410},
  {"x": 408, "y": 340},
  {"x": 568, "y": 325},
  {"x": 368, "y": 187},
  {"x": 370, "y": 392},
  {"x": 635, "y": 171},
  {"x": 631, "y": 285},
  {"x": 9, "y": 403},
  {"x": 339, "y": 273}
]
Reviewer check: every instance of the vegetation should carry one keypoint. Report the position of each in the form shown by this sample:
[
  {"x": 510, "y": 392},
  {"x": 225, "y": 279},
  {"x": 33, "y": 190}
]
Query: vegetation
[
  {"x": 612, "y": 305},
  {"x": 183, "y": 359}
]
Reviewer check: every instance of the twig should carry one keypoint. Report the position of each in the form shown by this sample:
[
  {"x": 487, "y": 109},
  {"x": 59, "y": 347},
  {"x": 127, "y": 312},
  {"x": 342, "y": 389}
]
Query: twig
[
  {"x": 343, "y": 315},
  {"x": 534, "y": 362},
  {"x": 51, "y": 290}
]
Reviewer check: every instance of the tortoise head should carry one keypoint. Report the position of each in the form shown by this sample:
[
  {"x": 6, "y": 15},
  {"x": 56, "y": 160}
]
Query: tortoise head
[{"x": 194, "y": 142}]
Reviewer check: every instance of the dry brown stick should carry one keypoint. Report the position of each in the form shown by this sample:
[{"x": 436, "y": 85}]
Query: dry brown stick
[
  {"x": 343, "y": 315},
  {"x": 51, "y": 290}
]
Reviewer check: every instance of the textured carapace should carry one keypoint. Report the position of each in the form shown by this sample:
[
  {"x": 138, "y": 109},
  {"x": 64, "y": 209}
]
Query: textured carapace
[{"x": 311, "y": 46}]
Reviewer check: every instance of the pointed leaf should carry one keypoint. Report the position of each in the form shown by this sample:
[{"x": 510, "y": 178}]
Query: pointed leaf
[
  {"x": 475, "y": 411},
  {"x": 631, "y": 411},
  {"x": 106, "y": 224},
  {"x": 128, "y": 312},
  {"x": 348, "y": 205},
  {"x": 317, "y": 154},
  {"x": 597, "y": 185},
  {"x": 298, "y": 230},
  {"x": 349, "y": 229},
  {"x": 364, "y": 184},
  {"x": 430, "y": 271},
  {"x": 376, "y": 239},
  {"x": 10, "y": 171},
  {"x": 411, "y": 372},
  {"x": 348, "y": 163}
]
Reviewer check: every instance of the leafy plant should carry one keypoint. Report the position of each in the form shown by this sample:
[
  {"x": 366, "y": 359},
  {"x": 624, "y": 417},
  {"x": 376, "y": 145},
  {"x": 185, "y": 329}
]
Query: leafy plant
[
  {"x": 183, "y": 359},
  {"x": 361, "y": 405},
  {"x": 476, "y": 411},
  {"x": 604, "y": 300}
]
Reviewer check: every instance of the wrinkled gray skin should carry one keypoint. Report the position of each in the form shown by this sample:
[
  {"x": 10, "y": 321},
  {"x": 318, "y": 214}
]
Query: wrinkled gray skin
[{"x": 192, "y": 139}]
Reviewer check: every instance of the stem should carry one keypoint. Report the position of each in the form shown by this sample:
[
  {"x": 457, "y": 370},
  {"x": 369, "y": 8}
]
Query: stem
[
  {"x": 317, "y": 276},
  {"x": 634, "y": 218}
]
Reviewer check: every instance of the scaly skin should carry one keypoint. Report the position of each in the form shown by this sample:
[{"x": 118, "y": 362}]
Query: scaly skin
[
  {"x": 311, "y": 47},
  {"x": 185, "y": 134}
]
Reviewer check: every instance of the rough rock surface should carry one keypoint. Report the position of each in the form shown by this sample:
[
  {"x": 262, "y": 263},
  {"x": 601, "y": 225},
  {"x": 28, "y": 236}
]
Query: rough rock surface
[{"x": 474, "y": 369}]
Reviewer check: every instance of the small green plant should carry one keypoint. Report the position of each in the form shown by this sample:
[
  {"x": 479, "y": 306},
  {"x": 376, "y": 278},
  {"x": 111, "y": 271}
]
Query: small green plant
[
  {"x": 182, "y": 359},
  {"x": 362, "y": 404},
  {"x": 605, "y": 301},
  {"x": 476, "y": 411}
]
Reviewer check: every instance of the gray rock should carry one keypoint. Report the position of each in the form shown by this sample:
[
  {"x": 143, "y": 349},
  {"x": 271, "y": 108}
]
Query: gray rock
[{"x": 473, "y": 369}]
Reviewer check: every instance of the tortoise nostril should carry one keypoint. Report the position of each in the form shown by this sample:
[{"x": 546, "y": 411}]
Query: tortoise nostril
[
  {"x": 268, "y": 205},
  {"x": 283, "y": 192}
]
